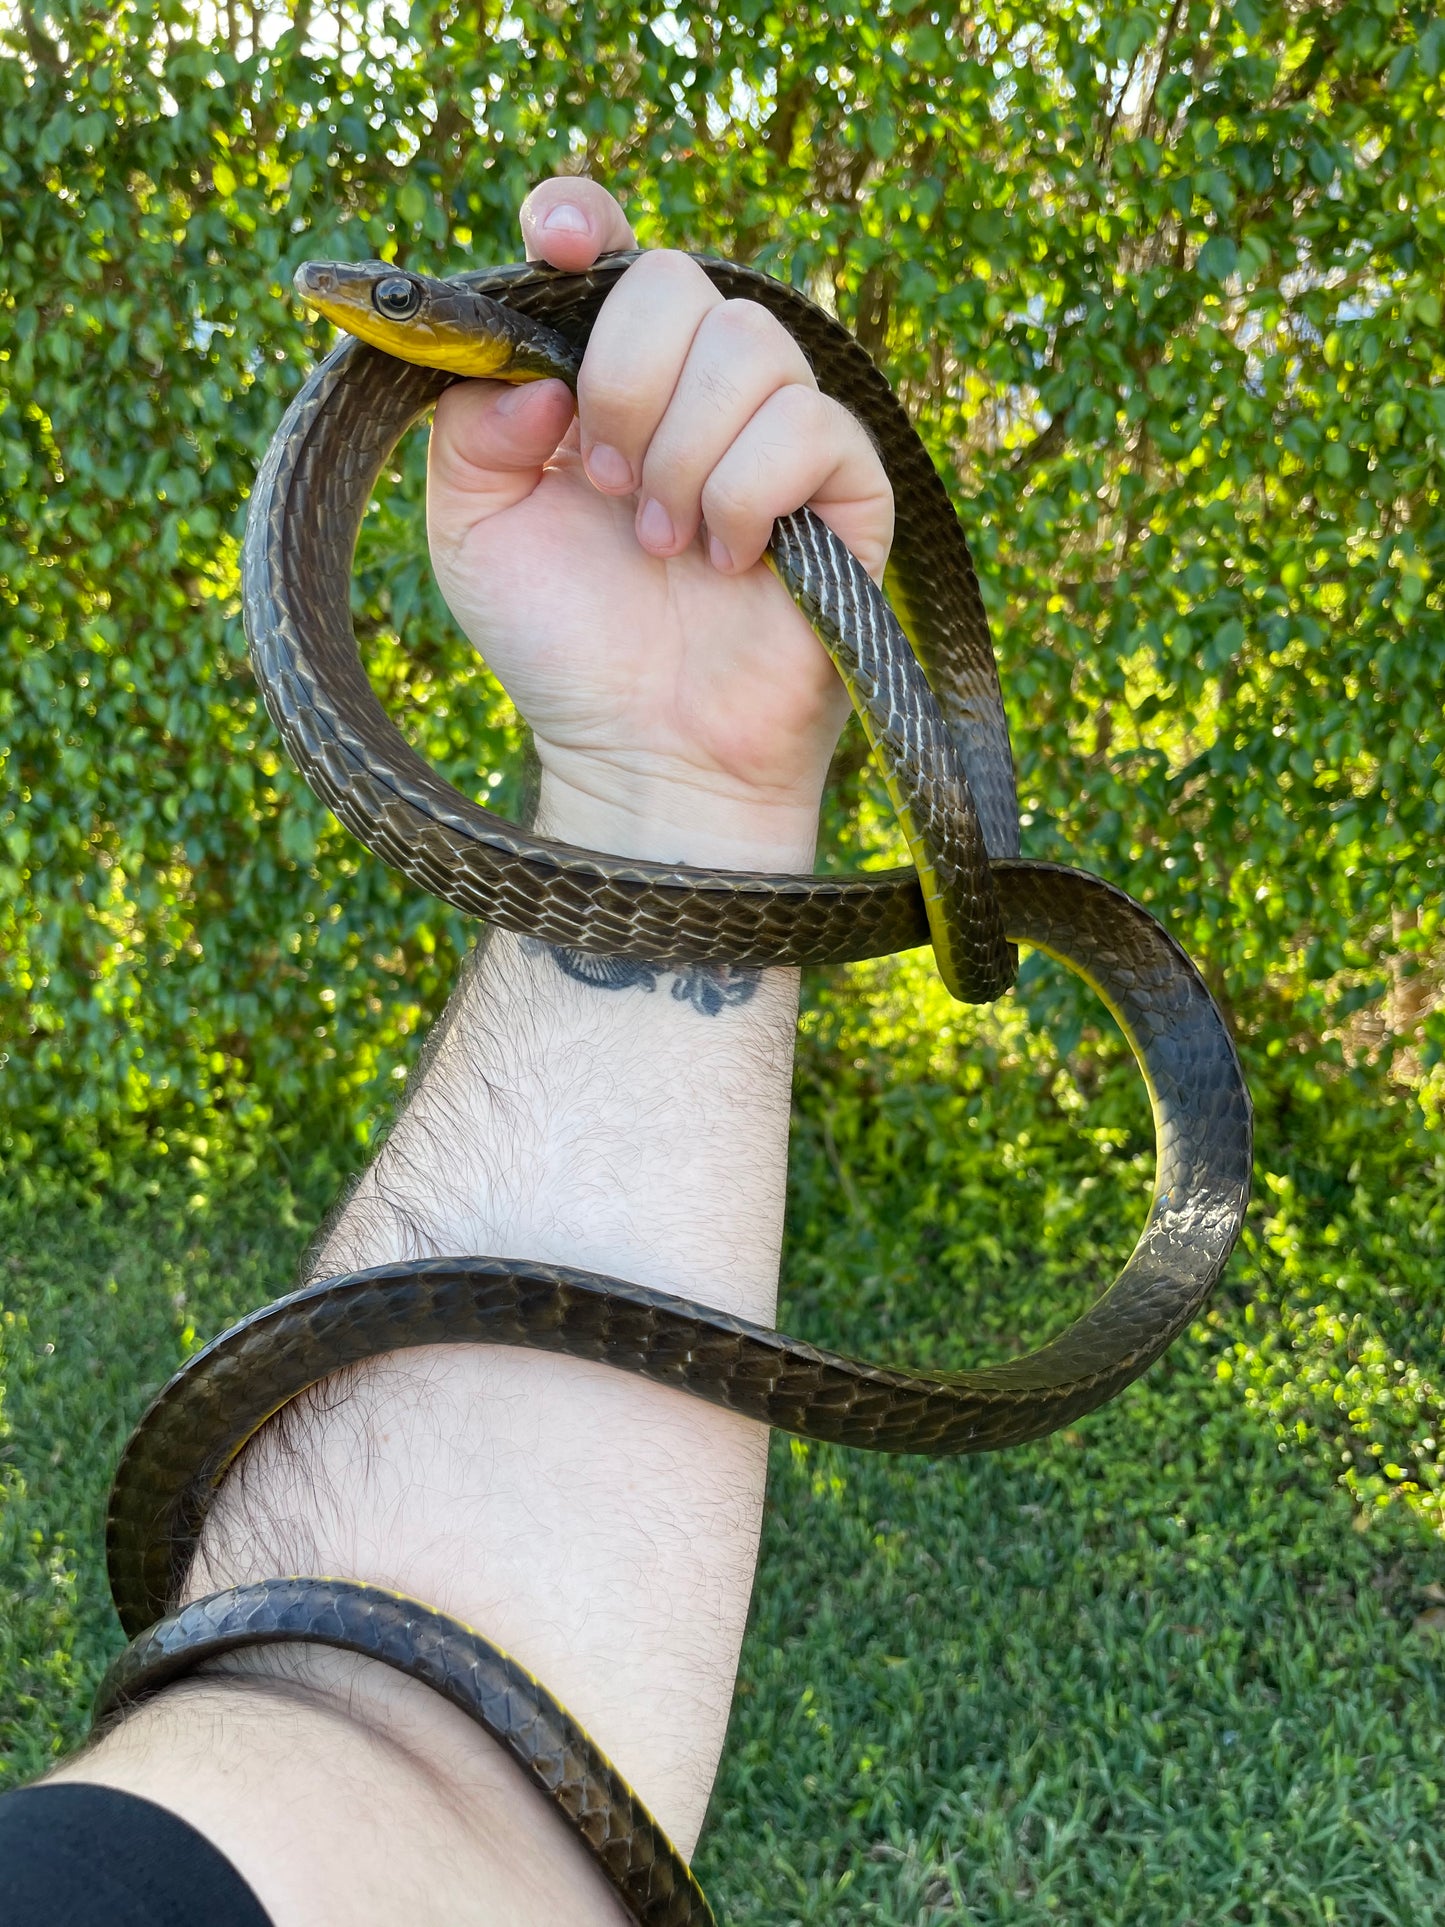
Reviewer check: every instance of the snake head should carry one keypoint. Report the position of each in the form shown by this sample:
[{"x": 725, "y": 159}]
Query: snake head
[{"x": 440, "y": 324}]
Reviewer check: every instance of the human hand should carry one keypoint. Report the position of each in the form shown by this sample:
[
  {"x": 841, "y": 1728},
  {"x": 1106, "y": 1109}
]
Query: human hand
[{"x": 605, "y": 562}]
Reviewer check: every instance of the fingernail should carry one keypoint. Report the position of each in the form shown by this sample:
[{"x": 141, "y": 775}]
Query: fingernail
[
  {"x": 565, "y": 218},
  {"x": 654, "y": 526},
  {"x": 513, "y": 398},
  {"x": 608, "y": 467},
  {"x": 718, "y": 555}
]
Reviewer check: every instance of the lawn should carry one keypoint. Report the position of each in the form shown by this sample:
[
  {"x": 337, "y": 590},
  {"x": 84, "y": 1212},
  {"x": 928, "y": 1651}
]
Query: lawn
[{"x": 1161, "y": 1668}]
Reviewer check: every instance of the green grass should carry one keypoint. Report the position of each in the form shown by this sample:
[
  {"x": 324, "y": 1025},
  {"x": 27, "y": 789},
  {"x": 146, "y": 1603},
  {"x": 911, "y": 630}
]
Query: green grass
[{"x": 1163, "y": 1668}]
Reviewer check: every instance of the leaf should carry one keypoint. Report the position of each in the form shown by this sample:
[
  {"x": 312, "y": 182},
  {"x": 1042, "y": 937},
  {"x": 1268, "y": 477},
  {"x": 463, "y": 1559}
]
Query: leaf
[
  {"x": 1217, "y": 258},
  {"x": 882, "y": 135},
  {"x": 1430, "y": 49}
]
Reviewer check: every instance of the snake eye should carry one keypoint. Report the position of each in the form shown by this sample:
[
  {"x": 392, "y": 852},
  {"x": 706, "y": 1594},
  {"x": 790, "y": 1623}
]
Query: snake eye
[{"x": 396, "y": 297}]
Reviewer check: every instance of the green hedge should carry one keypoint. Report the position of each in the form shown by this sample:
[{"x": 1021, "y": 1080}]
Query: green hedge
[{"x": 1162, "y": 287}]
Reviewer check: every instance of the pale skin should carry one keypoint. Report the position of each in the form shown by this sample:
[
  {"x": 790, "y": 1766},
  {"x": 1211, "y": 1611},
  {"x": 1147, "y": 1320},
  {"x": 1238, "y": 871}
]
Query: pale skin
[{"x": 604, "y": 1530}]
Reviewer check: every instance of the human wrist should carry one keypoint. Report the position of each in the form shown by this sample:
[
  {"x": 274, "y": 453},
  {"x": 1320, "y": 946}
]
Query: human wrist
[{"x": 659, "y": 819}]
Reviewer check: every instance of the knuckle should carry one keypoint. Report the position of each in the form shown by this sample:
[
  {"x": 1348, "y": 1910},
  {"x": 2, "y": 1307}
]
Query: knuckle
[
  {"x": 664, "y": 268},
  {"x": 669, "y": 474},
  {"x": 800, "y": 413},
  {"x": 609, "y": 393},
  {"x": 746, "y": 326},
  {"x": 729, "y": 498}
]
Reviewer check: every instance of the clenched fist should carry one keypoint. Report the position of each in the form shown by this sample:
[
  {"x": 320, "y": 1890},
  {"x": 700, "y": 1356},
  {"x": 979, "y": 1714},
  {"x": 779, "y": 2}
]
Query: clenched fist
[{"x": 605, "y": 558}]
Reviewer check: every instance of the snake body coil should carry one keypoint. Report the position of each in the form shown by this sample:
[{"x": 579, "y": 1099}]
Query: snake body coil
[{"x": 934, "y": 714}]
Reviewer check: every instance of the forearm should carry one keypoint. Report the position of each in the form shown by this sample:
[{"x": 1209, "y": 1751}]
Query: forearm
[
  {"x": 600, "y": 1528},
  {"x": 627, "y": 1117}
]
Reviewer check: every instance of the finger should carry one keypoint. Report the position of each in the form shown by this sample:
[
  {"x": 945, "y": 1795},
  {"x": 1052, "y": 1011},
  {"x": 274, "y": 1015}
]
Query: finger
[
  {"x": 570, "y": 220},
  {"x": 799, "y": 448},
  {"x": 740, "y": 356},
  {"x": 489, "y": 444},
  {"x": 638, "y": 348}
]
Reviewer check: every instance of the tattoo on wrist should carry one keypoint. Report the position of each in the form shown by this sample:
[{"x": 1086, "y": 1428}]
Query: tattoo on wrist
[{"x": 709, "y": 988}]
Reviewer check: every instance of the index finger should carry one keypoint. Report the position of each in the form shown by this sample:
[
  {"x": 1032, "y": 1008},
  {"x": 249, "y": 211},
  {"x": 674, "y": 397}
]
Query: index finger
[{"x": 569, "y": 220}]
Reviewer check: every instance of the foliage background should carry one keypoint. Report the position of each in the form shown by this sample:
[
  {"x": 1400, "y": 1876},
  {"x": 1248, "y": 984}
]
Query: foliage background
[{"x": 1162, "y": 286}]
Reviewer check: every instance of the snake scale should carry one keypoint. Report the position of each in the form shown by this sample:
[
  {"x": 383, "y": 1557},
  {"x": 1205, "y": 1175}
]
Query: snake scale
[{"x": 922, "y": 677}]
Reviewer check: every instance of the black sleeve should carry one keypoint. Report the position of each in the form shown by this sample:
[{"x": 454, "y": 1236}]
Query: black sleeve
[{"x": 87, "y": 1856}]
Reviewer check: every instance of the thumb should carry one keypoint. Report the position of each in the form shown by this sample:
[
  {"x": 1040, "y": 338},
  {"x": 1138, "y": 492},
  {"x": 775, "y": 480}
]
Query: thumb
[{"x": 489, "y": 443}]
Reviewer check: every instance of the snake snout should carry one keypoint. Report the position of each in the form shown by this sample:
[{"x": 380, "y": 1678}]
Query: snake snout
[{"x": 314, "y": 277}]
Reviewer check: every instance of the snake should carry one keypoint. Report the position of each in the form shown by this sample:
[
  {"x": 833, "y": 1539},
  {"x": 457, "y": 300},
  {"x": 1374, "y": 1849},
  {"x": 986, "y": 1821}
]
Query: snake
[{"x": 917, "y": 659}]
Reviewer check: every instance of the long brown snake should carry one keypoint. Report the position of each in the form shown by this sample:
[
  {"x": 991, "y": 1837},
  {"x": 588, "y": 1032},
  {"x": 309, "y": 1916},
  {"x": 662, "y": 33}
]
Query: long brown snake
[{"x": 934, "y": 715}]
